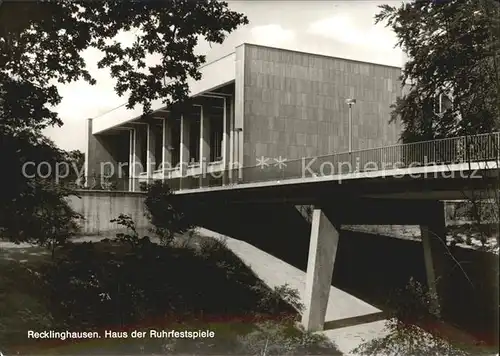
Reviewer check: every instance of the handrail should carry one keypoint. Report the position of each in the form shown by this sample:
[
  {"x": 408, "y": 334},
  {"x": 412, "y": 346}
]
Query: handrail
[
  {"x": 446, "y": 151},
  {"x": 392, "y": 146}
]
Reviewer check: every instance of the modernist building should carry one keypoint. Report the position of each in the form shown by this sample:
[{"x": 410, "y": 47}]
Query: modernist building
[{"x": 255, "y": 102}]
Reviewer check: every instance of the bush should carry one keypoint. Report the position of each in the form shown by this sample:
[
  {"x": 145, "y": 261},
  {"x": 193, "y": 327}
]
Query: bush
[
  {"x": 416, "y": 307},
  {"x": 129, "y": 282},
  {"x": 166, "y": 219},
  {"x": 40, "y": 215},
  {"x": 271, "y": 338},
  {"x": 272, "y": 299},
  {"x": 129, "y": 279},
  {"x": 33, "y": 210}
]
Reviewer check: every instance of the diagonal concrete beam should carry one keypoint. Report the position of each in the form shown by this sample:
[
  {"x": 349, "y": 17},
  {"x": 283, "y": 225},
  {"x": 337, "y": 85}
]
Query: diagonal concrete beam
[{"x": 322, "y": 251}]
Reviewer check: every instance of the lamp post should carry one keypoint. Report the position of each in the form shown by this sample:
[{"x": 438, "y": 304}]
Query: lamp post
[{"x": 351, "y": 103}]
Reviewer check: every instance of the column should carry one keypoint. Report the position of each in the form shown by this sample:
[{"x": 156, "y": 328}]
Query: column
[
  {"x": 436, "y": 253},
  {"x": 231, "y": 141},
  {"x": 226, "y": 141},
  {"x": 131, "y": 167},
  {"x": 225, "y": 132},
  {"x": 239, "y": 108},
  {"x": 184, "y": 149},
  {"x": 88, "y": 134},
  {"x": 322, "y": 252},
  {"x": 204, "y": 143},
  {"x": 138, "y": 163},
  {"x": 150, "y": 153},
  {"x": 239, "y": 154},
  {"x": 166, "y": 145},
  {"x": 231, "y": 133}
]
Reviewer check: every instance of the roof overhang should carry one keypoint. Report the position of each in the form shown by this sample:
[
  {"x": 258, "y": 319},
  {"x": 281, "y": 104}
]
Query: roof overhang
[{"x": 214, "y": 75}]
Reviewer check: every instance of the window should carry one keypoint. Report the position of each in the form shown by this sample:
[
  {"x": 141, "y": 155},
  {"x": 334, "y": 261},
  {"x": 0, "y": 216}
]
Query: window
[
  {"x": 143, "y": 139},
  {"x": 216, "y": 133},
  {"x": 442, "y": 103},
  {"x": 158, "y": 132},
  {"x": 194, "y": 122},
  {"x": 176, "y": 141}
]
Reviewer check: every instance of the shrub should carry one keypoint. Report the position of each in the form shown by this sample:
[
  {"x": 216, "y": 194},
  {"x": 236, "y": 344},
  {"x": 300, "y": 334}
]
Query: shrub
[
  {"x": 272, "y": 299},
  {"x": 415, "y": 306},
  {"x": 166, "y": 219},
  {"x": 40, "y": 215},
  {"x": 272, "y": 338}
]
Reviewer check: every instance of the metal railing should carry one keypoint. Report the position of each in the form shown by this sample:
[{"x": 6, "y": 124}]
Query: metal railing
[{"x": 448, "y": 151}]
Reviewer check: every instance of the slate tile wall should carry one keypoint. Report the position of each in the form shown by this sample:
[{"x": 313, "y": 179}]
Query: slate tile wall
[{"x": 294, "y": 103}]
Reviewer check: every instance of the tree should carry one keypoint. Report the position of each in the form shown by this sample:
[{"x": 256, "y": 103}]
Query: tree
[
  {"x": 167, "y": 218},
  {"x": 453, "y": 49},
  {"x": 41, "y": 44},
  {"x": 33, "y": 209},
  {"x": 74, "y": 168}
]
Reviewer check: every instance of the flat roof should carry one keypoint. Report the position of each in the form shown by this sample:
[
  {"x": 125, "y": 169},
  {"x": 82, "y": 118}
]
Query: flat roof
[
  {"x": 317, "y": 54},
  {"x": 215, "y": 74}
]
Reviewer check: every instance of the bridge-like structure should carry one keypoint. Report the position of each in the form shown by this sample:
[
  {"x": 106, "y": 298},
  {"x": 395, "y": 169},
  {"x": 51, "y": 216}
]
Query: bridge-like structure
[
  {"x": 458, "y": 157},
  {"x": 401, "y": 185}
]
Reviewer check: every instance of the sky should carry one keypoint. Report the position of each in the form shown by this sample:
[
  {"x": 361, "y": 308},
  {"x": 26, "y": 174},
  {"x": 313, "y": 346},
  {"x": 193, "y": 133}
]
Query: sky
[{"x": 337, "y": 28}]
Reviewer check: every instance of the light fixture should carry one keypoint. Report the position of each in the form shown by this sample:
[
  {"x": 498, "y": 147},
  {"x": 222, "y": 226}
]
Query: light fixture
[{"x": 350, "y": 102}]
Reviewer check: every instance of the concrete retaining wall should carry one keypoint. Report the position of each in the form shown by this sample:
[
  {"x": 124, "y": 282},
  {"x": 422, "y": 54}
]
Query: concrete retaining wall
[{"x": 99, "y": 207}]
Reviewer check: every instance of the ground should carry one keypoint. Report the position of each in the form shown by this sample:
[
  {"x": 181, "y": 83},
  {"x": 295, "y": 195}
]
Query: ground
[
  {"x": 198, "y": 284},
  {"x": 351, "y": 322}
]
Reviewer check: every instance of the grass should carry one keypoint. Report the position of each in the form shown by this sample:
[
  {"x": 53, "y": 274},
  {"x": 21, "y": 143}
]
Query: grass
[{"x": 195, "y": 284}]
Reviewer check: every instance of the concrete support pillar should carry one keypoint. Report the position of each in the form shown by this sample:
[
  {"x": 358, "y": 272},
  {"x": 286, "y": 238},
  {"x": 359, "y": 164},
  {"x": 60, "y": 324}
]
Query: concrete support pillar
[
  {"x": 204, "y": 140},
  {"x": 138, "y": 165},
  {"x": 226, "y": 141},
  {"x": 225, "y": 132},
  {"x": 231, "y": 145},
  {"x": 139, "y": 147},
  {"x": 150, "y": 154},
  {"x": 88, "y": 136},
  {"x": 436, "y": 253},
  {"x": 184, "y": 149},
  {"x": 239, "y": 98},
  {"x": 231, "y": 132},
  {"x": 322, "y": 252},
  {"x": 131, "y": 162},
  {"x": 238, "y": 160},
  {"x": 166, "y": 146}
]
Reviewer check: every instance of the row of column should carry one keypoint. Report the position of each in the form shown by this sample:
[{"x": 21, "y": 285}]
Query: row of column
[{"x": 137, "y": 144}]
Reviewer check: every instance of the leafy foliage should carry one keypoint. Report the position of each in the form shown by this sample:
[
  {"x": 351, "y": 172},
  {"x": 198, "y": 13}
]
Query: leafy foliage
[
  {"x": 116, "y": 285},
  {"x": 274, "y": 297},
  {"x": 131, "y": 237},
  {"x": 415, "y": 308},
  {"x": 166, "y": 218},
  {"x": 43, "y": 42},
  {"x": 33, "y": 209},
  {"x": 42, "y": 45},
  {"x": 269, "y": 338},
  {"x": 453, "y": 49}
]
